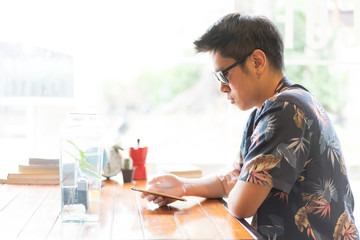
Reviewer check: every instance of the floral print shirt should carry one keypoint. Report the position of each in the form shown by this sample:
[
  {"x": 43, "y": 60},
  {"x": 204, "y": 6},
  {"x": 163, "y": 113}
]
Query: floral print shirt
[{"x": 290, "y": 145}]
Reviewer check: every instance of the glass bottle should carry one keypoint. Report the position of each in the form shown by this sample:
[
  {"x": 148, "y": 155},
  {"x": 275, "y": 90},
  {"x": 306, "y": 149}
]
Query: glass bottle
[{"x": 81, "y": 156}]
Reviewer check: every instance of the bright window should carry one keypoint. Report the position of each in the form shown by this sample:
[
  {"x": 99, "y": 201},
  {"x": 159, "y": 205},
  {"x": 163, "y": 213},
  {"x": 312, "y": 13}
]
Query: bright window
[{"x": 133, "y": 63}]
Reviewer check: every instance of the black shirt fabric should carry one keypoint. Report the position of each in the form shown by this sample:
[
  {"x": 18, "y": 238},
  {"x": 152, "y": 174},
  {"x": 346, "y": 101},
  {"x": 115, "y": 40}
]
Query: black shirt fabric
[{"x": 291, "y": 145}]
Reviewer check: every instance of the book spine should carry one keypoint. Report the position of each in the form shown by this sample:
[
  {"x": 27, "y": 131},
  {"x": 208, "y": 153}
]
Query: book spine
[
  {"x": 28, "y": 176},
  {"x": 44, "y": 161},
  {"x": 38, "y": 168}
]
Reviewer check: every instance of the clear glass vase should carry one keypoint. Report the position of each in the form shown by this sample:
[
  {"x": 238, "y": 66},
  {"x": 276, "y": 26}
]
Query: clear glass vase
[{"x": 81, "y": 156}]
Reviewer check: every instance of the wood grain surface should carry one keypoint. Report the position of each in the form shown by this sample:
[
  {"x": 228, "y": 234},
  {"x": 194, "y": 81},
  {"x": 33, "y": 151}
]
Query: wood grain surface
[{"x": 33, "y": 212}]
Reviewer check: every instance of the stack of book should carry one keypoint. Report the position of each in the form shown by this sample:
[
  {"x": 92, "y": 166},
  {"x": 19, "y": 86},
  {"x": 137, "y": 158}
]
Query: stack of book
[{"x": 37, "y": 171}]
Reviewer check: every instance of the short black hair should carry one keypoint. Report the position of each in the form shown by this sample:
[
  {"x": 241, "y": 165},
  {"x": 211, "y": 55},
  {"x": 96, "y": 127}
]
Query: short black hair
[{"x": 238, "y": 34}]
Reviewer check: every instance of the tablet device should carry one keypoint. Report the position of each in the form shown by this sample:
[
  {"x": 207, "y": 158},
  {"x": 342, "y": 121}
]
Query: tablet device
[{"x": 158, "y": 194}]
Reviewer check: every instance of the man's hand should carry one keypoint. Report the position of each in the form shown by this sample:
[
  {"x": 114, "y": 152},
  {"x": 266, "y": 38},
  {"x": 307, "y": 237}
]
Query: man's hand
[{"x": 169, "y": 184}]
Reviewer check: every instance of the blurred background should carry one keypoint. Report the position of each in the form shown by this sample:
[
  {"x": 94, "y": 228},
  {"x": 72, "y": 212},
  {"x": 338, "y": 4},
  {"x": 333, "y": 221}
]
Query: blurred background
[{"x": 133, "y": 63}]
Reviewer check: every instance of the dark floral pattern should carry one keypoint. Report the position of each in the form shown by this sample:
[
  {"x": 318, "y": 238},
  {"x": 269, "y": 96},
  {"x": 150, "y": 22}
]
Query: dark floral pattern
[{"x": 290, "y": 145}]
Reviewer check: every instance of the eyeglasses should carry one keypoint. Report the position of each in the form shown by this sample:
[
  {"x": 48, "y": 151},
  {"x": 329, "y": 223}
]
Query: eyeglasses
[{"x": 220, "y": 75}]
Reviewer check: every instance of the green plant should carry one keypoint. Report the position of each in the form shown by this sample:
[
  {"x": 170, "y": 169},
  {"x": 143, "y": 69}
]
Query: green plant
[
  {"x": 128, "y": 164},
  {"x": 82, "y": 159},
  {"x": 161, "y": 85},
  {"x": 310, "y": 67}
]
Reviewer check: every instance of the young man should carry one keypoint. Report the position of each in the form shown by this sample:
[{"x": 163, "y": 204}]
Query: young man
[{"x": 291, "y": 175}]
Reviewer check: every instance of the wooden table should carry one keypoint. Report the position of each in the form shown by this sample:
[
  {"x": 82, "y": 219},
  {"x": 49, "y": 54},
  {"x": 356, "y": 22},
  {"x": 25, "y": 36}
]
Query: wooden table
[{"x": 33, "y": 212}]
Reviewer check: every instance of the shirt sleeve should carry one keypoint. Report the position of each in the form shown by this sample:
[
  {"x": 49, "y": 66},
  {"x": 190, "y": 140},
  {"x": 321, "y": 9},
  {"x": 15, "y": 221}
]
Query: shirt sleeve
[{"x": 278, "y": 146}]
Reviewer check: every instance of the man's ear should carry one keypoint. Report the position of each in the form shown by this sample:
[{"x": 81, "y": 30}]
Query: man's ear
[{"x": 259, "y": 59}]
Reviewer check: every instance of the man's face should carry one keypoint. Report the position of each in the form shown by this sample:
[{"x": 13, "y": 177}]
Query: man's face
[{"x": 241, "y": 89}]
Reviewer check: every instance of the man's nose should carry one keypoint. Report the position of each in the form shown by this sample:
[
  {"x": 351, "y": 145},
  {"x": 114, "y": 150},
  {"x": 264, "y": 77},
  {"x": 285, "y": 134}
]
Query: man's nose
[{"x": 223, "y": 88}]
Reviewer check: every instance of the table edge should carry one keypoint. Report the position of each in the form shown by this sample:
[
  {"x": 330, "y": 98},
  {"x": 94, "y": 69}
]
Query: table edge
[{"x": 243, "y": 221}]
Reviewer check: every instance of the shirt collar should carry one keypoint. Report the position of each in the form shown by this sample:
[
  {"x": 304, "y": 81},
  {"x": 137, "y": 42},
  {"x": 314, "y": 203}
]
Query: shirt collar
[{"x": 283, "y": 84}]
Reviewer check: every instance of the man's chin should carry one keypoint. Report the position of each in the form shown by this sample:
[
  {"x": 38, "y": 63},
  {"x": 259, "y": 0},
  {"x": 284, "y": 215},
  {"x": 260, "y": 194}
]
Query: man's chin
[{"x": 243, "y": 107}]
